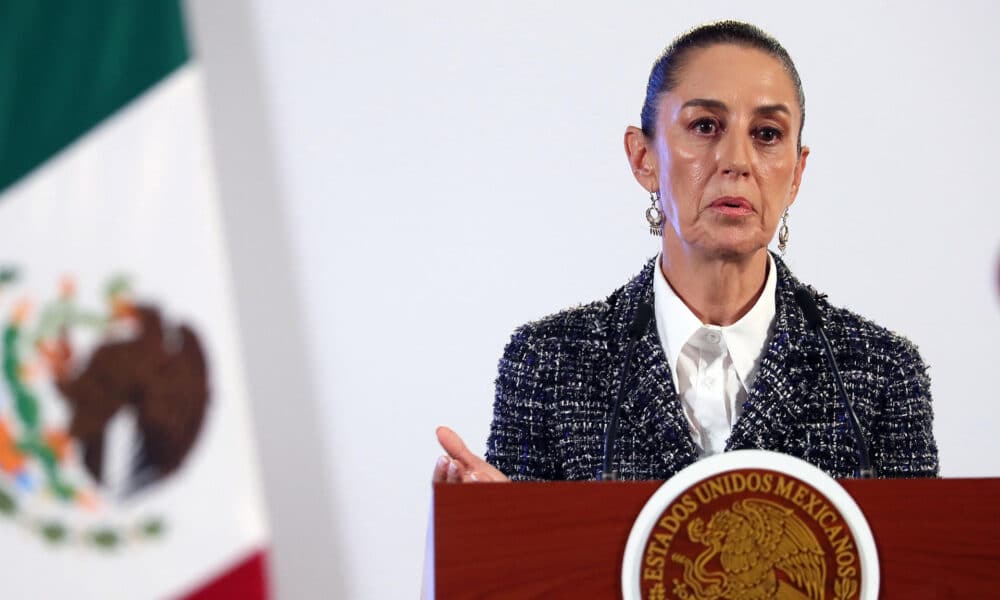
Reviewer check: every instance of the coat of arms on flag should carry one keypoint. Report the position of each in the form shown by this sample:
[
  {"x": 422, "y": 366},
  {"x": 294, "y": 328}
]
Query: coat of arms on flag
[{"x": 97, "y": 403}]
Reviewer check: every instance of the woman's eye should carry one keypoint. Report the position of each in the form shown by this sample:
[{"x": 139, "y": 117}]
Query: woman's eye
[
  {"x": 705, "y": 126},
  {"x": 767, "y": 135}
]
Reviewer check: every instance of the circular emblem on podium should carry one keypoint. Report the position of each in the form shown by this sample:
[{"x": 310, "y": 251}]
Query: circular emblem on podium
[{"x": 750, "y": 525}]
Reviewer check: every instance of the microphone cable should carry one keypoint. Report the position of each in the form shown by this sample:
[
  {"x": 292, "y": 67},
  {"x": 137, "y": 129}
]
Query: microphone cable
[
  {"x": 814, "y": 319},
  {"x": 640, "y": 322}
]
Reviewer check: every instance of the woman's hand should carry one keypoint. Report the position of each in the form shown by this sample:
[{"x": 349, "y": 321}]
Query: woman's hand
[{"x": 461, "y": 465}]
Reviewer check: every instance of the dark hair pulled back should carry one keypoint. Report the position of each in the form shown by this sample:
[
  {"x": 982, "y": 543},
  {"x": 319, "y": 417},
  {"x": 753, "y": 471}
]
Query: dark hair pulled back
[{"x": 666, "y": 70}]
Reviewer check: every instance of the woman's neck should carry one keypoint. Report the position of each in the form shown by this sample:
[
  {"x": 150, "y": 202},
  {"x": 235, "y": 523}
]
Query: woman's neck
[{"x": 719, "y": 291}]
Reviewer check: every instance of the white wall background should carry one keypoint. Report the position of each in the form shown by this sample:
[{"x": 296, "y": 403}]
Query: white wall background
[{"x": 444, "y": 171}]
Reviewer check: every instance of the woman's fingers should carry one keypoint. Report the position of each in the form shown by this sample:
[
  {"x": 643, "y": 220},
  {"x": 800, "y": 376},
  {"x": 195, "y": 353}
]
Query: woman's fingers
[
  {"x": 454, "y": 472},
  {"x": 455, "y": 447},
  {"x": 441, "y": 469},
  {"x": 448, "y": 470},
  {"x": 461, "y": 465}
]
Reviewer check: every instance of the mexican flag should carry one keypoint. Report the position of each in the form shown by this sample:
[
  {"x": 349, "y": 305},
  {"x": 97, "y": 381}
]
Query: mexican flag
[{"x": 127, "y": 464}]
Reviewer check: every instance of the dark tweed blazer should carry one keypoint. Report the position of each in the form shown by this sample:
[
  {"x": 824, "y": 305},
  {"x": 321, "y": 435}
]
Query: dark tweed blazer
[{"x": 559, "y": 376}]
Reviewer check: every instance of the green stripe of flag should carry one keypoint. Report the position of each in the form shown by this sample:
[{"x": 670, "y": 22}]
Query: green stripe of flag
[{"x": 66, "y": 65}]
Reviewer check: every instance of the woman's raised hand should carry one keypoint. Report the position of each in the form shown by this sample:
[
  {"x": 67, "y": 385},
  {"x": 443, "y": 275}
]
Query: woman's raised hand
[{"x": 460, "y": 465}]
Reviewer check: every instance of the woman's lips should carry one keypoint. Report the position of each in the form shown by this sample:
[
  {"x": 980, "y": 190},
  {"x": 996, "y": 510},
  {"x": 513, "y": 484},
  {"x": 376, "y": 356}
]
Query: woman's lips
[{"x": 733, "y": 206}]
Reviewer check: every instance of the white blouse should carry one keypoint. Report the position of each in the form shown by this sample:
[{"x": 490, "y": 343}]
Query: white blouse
[{"x": 712, "y": 366}]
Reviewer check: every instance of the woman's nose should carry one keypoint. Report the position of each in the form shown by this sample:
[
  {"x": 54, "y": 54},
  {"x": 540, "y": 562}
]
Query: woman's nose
[{"x": 734, "y": 155}]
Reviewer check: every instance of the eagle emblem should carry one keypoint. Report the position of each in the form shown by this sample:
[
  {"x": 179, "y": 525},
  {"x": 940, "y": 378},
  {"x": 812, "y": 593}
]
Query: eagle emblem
[
  {"x": 96, "y": 406},
  {"x": 754, "y": 541}
]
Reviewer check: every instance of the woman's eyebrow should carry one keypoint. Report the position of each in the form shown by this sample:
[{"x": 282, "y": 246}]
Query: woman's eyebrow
[
  {"x": 772, "y": 108},
  {"x": 765, "y": 109},
  {"x": 706, "y": 103}
]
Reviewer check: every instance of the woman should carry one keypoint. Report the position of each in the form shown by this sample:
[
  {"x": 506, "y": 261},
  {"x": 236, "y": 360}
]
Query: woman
[{"x": 731, "y": 359}]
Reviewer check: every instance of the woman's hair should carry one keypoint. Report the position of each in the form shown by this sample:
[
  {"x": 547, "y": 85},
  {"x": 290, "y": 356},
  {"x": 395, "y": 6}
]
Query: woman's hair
[{"x": 666, "y": 70}]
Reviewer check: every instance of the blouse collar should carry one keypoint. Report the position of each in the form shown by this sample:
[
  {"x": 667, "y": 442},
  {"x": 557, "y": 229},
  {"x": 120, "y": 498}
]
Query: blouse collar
[{"x": 745, "y": 339}]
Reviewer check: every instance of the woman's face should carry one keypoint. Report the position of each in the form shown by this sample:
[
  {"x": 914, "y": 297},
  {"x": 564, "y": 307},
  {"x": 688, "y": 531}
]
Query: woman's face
[{"x": 725, "y": 155}]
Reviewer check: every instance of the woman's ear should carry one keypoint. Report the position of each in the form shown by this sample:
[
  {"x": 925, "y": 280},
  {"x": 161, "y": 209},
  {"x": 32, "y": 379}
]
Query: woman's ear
[
  {"x": 800, "y": 166},
  {"x": 641, "y": 158}
]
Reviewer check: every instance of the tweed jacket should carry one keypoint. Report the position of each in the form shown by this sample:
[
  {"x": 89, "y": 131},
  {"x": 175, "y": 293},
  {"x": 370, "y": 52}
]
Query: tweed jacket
[{"x": 559, "y": 376}]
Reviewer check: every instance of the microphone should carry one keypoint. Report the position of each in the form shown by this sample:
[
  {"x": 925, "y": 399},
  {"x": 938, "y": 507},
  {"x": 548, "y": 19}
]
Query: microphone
[
  {"x": 640, "y": 321},
  {"x": 814, "y": 319}
]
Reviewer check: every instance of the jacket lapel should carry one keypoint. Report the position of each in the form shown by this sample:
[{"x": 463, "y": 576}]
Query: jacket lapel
[
  {"x": 782, "y": 378},
  {"x": 652, "y": 417}
]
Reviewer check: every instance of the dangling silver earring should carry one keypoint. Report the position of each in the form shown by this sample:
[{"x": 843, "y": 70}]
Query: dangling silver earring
[
  {"x": 654, "y": 215},
  {"x": 783, "y": 233}
]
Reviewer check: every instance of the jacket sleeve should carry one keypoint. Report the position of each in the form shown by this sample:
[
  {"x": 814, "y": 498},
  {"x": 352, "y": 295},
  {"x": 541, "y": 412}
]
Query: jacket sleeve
[
  {"x": 520, "y": 442},
  {"x": 903, "y": 443}
]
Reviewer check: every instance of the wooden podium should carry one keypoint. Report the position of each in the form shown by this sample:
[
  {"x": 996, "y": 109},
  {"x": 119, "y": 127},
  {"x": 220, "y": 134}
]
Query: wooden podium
[{"x": 936, "y": 538}]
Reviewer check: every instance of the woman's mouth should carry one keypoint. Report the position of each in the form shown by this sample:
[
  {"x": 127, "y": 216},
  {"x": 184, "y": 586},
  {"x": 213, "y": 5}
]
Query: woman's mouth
[{"x": 732, "y": 206}]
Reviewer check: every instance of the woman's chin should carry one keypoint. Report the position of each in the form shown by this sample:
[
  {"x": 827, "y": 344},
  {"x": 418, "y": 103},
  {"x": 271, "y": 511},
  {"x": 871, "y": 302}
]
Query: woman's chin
[{"x": 731, "y": 250}]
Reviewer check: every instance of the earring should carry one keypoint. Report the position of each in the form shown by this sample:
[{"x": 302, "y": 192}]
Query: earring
[
  {"x": 783, "y": 233},
  {"x": 654, "y": 215}
]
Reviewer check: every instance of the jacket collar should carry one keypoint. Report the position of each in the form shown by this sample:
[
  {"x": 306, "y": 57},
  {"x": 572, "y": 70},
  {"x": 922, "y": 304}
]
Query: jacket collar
[{"x": 651, "y": 407}]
